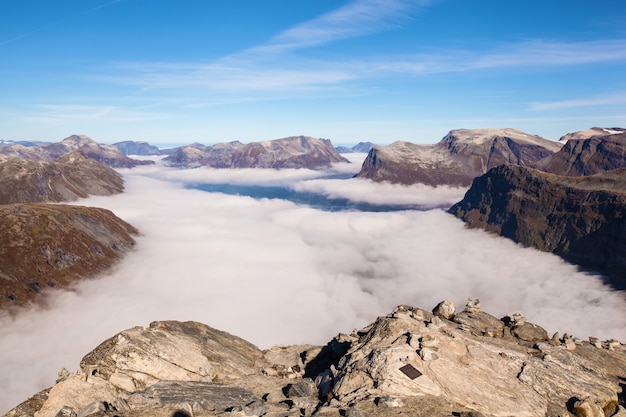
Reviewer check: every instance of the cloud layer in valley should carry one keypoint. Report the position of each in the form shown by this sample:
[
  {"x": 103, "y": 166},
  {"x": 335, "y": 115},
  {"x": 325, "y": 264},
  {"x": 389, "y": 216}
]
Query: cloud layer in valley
[{"x": 274, "y": 272}]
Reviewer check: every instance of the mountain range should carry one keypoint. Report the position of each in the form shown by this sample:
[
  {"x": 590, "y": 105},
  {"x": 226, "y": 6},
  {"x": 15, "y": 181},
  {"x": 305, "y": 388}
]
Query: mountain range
[
  {"x": 291, "y": 152},
  {"x": 106, "y": 154}
]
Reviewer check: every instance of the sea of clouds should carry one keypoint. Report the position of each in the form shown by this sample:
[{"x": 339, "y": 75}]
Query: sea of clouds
[{"x": 274, "y": 272}]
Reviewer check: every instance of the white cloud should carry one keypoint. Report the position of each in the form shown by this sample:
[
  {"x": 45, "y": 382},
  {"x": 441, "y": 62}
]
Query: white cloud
[
  {"x": 278, "y": 273},
  {"x": 606, "y": 100},
  {"x": 545, "y": 53},
  {"x": 361, "y": 190},
  {"x": 359, "y": 18}
]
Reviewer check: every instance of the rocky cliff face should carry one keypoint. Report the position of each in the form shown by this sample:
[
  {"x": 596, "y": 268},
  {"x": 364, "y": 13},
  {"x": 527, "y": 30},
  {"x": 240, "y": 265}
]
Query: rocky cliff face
[
  {"x": 105, "y": 154},
  {"x": 46, "y": 246},
  {"x": 461, "y": 156},
  {"x": 411, "y": 362},
  {"x": 292, "y": 152},
  {"x": 71, "y": 177},
  {"x": 579, "y": 218},
  {"x": 582, "y": 155}
]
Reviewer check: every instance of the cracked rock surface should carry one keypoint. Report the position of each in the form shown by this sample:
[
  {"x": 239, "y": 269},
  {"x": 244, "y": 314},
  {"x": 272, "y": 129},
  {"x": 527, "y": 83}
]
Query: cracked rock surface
[{"x": 409, "y": 362}]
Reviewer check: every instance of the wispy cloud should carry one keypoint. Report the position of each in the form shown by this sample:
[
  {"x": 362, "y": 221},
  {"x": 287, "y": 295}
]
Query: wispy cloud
[
  {"x": 359, "y": 18},
  {"x": 252, "y": 74},
  {"x": 594, "y": 101},
  {"x": 543, "y": 53},
  {"x": 46, "y": 113}
]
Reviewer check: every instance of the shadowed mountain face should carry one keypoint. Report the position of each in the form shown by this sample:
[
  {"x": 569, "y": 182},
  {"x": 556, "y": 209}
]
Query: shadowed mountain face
[
  {"x": 106, "y": 154},
  {"x": 461, "y": 156},
  {"x": 71, "y": 177},
  {"x": 51, "y": 246},
  {"x": 582, "y": 219},
  {"x": 410, "y": 362},
  {"x": 292, "y": 152}
]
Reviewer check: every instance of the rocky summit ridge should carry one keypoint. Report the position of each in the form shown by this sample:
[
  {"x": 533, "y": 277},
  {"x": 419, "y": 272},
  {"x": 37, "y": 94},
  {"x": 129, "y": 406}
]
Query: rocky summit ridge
[{"x": 411, "y": 362}]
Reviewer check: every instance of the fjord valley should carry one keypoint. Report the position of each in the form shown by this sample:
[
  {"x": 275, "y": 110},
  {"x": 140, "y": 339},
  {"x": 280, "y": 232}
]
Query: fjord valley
[
  {"x": 346, "y": 208},
  {"x": 141, "y": 242}
]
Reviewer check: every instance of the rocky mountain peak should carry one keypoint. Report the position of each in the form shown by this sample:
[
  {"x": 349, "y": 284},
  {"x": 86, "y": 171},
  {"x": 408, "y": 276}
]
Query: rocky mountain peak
[
  {"x": 77, "y": 141},
  {"x": 457, "y": 159},
  {"x": 589, "y": 133}
]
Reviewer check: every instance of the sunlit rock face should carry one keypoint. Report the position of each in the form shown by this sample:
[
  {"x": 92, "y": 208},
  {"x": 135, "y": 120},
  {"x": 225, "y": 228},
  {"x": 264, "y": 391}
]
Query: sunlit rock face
[
  {"x": 45, "y": 246},
  {"x": 461, "y": 156},
  {"x": 579, "y": 218},
  {"x": 409, "y": 362},
  {"x": 291, "y": 152},
  {"x": 106, "y": 154},
  {"x": 71, "y": 177}
]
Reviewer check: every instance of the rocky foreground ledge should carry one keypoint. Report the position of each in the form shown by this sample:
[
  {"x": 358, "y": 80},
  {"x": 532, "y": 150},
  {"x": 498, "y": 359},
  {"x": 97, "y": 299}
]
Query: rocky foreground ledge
[{"x": 412, "y": 362}]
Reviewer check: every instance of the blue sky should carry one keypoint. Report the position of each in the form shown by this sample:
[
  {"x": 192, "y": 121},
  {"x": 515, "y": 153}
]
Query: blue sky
[{"x": 168, "y": 71}]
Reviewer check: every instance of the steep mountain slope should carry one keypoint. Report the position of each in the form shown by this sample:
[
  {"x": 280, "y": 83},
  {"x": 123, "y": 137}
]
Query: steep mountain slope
[
  {"x": 411, "y": 362},
  {"x": 106, "y": 154},
  {"x": 291, "y": 152},
  {"x": 582, "y": 219},
  {"x": 51, "y": 246},
  {"x": 461, "y": 156},
  {"x": 71, "y": 177},
  {"x": 582, "y": 155}
]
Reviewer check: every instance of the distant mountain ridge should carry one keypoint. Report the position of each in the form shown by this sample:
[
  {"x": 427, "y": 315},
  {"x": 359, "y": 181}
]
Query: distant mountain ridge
[
  {"x": 129, "y": 147},
  {"x": 291, "y": 152},
  {"x": 106, "y": 154},
  {"x": 457, "y": 159},
  {"x": 361, "y": 147}
]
